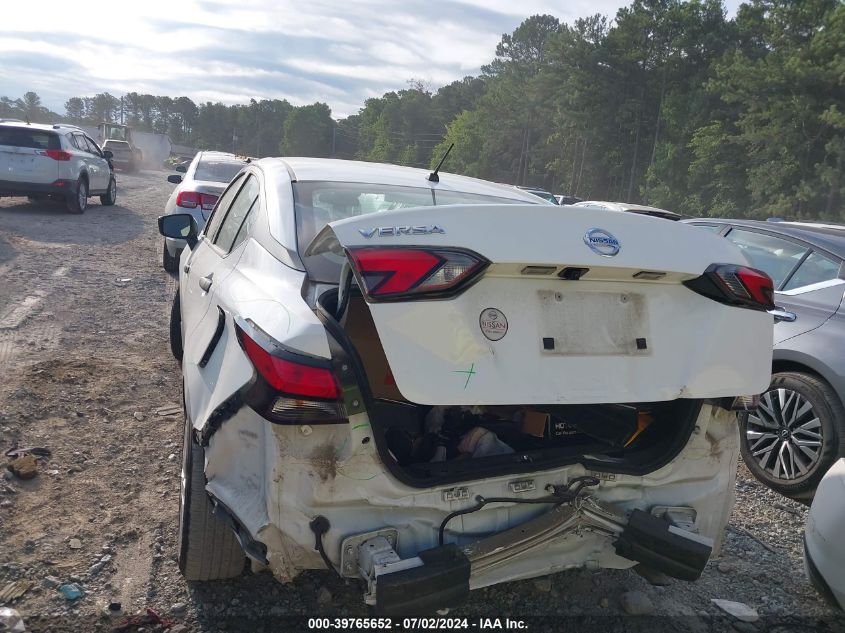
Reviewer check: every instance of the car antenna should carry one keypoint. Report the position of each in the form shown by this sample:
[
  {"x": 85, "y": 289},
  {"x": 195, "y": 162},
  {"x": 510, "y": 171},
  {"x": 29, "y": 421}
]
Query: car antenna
[{"x": 433, "y": 177}]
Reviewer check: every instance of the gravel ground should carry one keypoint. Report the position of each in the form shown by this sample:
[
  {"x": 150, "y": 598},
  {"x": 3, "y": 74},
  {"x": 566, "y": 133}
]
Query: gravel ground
[{"x": 85, "y": 371}]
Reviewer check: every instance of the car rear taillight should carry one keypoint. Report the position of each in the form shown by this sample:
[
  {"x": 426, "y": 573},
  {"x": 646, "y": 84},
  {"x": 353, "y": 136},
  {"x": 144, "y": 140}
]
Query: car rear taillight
[
  {"x": 56, "y": 154},
  {"x": 391, "y": 273},
  {"x": 290, "y": 389},
  {"x": 735, "y": 285},
  {"x": 194, "y": 199}
]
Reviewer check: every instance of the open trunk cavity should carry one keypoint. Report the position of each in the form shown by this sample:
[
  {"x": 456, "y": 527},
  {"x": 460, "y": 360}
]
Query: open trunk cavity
[{"x": 424, "y": 445}]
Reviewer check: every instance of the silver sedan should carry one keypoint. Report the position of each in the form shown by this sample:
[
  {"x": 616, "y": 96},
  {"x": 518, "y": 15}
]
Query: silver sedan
[{"x": 197, "y": 192}]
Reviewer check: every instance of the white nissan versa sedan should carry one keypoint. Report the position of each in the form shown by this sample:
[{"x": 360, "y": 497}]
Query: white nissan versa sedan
[{"x": 433, "y": 384}]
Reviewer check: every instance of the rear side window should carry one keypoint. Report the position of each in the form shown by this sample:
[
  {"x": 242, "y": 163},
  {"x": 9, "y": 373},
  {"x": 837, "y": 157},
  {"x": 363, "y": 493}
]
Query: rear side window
[
  {"x": 241, "y": 206},
  {"x": 772, "y": 255},
  {"x": 23, "y": 137},
  {"x": 79, "y": 140},
  {"x": 813, "y": 270},
  {"x": 221, "y": 208},
  {"x": 92, "y": 146}
]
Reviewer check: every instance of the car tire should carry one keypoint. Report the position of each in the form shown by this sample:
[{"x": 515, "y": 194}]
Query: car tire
[
  {"x": 169, "y": 262},
  {"x": 77, "y": 201},
  {"x": 208, "y": 548},
  {"x": 769, "y": 442},
  {"x": 176, "y": 328},
  {"x": 108, "y": 198}
]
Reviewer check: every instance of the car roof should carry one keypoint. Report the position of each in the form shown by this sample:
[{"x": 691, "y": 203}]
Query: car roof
[
  {"x": 335, "y": 170},
  {"x": 47, "y": 127},
  {"x": 222, "y": 156},
  {"x": 830, "y": 237}
]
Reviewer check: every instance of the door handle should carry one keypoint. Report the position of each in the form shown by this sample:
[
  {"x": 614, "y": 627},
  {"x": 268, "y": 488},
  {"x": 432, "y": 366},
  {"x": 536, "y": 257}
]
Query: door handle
[
  {"x": 205, "y": 282},
  {"x": 783, "y": 315}
]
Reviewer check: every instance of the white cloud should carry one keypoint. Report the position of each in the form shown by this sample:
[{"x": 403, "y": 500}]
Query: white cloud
[{"x": 233, "y": 50}]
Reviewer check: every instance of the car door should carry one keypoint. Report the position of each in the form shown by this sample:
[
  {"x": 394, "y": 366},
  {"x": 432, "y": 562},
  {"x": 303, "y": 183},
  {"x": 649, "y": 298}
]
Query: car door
[
  {"x": 805, "y": 279},
  {"x": 813, "y": 293},
  {"x": 98, "y": 166},
  {"x": 202, "y": 367},
  {"x": 200, "y": 266},
  {"x": 90, "y": 165}
]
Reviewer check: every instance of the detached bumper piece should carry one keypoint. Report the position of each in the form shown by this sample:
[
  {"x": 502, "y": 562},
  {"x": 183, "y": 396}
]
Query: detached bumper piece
[
  {"x": 656, "y": 542},
  {"x": 441, "y": 581},
  {"x": 431, "y": 580}
]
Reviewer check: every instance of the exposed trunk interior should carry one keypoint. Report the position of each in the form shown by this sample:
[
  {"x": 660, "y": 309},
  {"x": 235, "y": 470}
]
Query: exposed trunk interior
[{"x": 424, "y": 445}]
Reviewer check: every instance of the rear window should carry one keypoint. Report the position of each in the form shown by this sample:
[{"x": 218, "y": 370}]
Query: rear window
[
  {"x": 318, "y": 203},
  {"x": 545, "y": 195},
  {"x": 22, "y": 137},
  {"x": 218, "y": 170}
]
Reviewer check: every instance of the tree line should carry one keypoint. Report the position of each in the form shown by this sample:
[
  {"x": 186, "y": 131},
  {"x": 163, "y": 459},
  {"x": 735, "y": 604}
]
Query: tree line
[{"x": 669, "y": 103}]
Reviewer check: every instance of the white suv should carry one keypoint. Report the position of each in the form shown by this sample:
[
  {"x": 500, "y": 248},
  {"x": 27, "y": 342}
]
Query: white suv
[
  {"x": 435, "y": 383},
  {"x": 56, "y": 160}
]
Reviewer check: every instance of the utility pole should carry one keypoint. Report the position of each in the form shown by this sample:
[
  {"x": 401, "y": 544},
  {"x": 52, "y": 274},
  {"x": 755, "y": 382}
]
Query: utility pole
[{"x": 334, "y": 138}]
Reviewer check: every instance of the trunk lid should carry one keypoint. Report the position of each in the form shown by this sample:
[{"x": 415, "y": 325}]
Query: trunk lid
[{"x": 616, "y": 334}]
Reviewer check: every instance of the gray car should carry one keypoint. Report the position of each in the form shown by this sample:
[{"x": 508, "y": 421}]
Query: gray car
[
  {"x": 197, "y": 192},
  {"x": 798, "y": 431}
]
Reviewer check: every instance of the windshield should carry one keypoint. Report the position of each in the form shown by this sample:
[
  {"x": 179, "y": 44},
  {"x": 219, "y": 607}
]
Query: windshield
[
  {"x": 216, "y": 170},
  {"x": 318, "y": 203}
]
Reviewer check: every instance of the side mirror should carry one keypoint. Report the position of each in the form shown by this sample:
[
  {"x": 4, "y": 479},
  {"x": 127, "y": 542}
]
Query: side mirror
[
  {"x": 179, "y": 226},
  {"x": 182, "y": 169},
  {"x": 174, "y": 178},
  {"x": 108, "y": 154}
]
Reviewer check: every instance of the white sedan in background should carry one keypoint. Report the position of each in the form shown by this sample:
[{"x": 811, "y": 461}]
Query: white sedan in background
[
  {"x": 434, "y": 383},
  {"x": 205, "y": 179}
]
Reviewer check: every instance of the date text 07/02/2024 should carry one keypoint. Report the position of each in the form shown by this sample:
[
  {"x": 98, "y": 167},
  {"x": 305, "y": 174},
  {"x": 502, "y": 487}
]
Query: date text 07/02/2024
[{"x": 481, "y": 624}]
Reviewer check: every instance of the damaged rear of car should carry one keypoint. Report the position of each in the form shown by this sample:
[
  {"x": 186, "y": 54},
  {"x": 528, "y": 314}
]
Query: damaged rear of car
[{"x": 438, "y": 386}]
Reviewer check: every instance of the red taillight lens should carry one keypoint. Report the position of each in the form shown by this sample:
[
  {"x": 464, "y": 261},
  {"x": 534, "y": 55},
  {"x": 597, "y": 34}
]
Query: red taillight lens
[
  {"x": 291, "y": 378},
  {"x": 187, "y": 199},
  {"x": 207, "y": 201},
  {"x": 393, "y": 273},
  {"x": 735, "y": 285},
  {"x": 757, "y": 284},
  {"x": 194, "y": 199},
  {"x": 57, "y": 154}
]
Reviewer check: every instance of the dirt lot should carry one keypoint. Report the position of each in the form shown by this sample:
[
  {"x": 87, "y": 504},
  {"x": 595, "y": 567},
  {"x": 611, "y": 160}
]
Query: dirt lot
[{"x": 85, "y": 371}]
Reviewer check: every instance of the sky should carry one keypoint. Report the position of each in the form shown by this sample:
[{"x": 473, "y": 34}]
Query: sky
[{"x": 337, "y": 52}]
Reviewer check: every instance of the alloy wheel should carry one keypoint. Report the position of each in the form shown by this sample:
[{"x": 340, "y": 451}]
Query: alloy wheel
[
  {"x": 784, "y": 434},
  {"x": 82, "y": 195}
]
